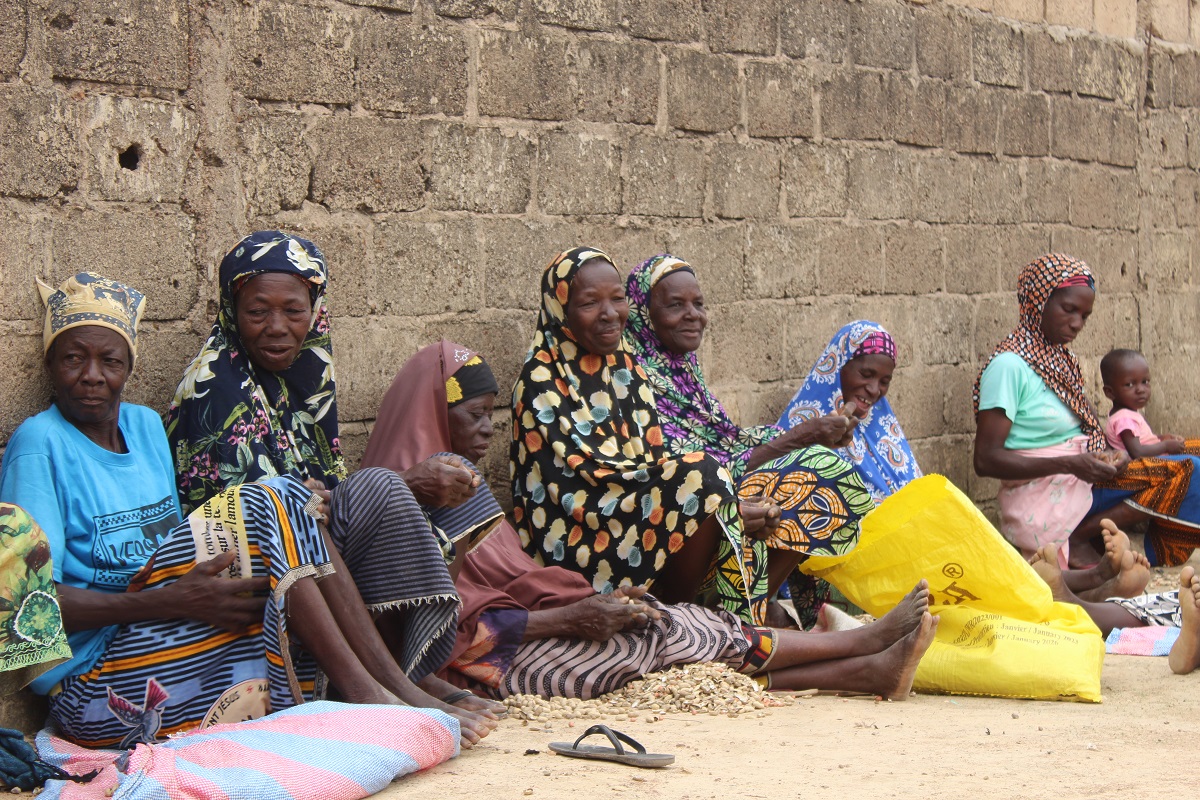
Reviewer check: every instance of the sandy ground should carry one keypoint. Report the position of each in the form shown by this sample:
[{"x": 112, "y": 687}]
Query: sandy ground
[{"x": 929, "y": 746}]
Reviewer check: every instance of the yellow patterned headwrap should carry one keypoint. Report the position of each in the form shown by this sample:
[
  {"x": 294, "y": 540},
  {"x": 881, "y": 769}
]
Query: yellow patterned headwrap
[{"x": 90, "y": 299}]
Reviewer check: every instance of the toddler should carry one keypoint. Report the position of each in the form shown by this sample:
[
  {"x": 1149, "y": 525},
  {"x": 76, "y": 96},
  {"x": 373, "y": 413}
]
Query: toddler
[{"x": 1126, "y": 378}]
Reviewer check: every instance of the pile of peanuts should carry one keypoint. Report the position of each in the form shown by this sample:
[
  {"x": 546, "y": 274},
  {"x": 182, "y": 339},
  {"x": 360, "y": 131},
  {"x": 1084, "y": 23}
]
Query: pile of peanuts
[{"x": 707, "y": 688}]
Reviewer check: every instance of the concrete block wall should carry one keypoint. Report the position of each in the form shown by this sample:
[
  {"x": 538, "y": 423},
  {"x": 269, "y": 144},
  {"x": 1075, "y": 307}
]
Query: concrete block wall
[{"x": 817, "y": 160}]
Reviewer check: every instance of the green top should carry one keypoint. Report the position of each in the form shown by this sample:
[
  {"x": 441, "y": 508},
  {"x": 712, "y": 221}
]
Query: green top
[{"x": 1039, "y": 418}]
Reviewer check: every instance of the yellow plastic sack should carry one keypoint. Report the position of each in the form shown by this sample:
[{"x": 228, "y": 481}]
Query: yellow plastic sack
[{"x": 1001, "y": 633}]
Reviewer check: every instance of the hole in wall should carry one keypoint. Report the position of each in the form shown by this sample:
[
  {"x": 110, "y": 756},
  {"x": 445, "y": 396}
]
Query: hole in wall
[
  {"x": 62, "y": 22},
  {"x": 130, "y": 157}
]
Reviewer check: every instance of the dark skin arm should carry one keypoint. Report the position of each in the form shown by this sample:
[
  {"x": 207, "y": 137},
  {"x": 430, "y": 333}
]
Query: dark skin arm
[
  {"x": 441, "y": 481},
  {"x": 992, "y": 460},
  {"x": 1170, "y": 445},
  {"x": 199, "y": 595},
  {"x": 831, "y": 430},
  {"x": 597, "y": 618}
]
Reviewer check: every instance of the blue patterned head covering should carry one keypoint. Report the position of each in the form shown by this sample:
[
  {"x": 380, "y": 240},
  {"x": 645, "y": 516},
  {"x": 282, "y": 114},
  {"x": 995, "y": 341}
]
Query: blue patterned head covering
[{"x": 90, "y": 299}]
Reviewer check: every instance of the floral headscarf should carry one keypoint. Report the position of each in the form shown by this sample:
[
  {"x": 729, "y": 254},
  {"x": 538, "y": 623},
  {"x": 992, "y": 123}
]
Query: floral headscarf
[
  {"x": 879, "y": 448},
  {"x": 91, "y": 299},
  {"x": 232, "y": 422},
  {"x": 1054, "y": 363},
  {"x": 692, "y": 418},
  {"x": 593, "y": 490}
]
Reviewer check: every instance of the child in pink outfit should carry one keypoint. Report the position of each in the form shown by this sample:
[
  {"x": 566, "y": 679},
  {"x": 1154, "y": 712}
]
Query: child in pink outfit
[{"x": 1127, "y": 383}]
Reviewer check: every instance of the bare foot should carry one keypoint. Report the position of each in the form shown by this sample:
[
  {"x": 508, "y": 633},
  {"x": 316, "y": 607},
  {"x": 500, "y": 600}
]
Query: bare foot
[
  {"x": 1129, "y": 582},
  {"x": 482, "y": 706},
  {"x": 1185, "y": 653},
  {"x": 900, "y": 621},
  {"x": 1116, "y": 545},
  {"x": 906, "y": 654},
  {"x": 1045, "y": 564}
]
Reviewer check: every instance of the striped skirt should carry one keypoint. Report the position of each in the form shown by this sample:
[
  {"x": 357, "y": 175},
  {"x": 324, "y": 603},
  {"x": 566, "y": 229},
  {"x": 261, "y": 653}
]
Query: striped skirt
[
  {"x": 163, "y": 676},
  {"x": 686, "y": 634}
]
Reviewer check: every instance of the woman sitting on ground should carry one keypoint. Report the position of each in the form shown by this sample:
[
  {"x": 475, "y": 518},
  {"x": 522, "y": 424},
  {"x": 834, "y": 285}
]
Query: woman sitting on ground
[
  {"x": 260, "y": 400},
  {"x": 593, "y": 489},
  {"x": 820, "y": 495},
  {"x": 176, "y": 625},
  {"x": 853, "y": 376},
  {"x": 528, "y": 629}
]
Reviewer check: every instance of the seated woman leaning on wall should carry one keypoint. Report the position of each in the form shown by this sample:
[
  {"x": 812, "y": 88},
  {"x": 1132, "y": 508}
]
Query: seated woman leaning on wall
[
  {"x": 260, "y": 400},
  {"x": 164, "y": 640},
  {"x": 529, "y": 629},
  {"x": 820, "y": 495}
]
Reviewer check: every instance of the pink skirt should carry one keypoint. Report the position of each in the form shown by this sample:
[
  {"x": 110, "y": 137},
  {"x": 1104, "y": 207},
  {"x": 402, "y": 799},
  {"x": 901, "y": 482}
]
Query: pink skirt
[{"x": 1045, "y": 510}]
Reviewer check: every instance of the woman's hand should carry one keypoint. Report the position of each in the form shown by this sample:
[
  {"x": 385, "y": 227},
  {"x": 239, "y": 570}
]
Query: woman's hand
[
  {"x": 602, "y": 616},
  {"x": 760, "y": 517},
  {"x": 441, "y": 481},
  {"x": 202, "y": 595},
  {"x": 831, "y": 430},
  {"x": 318, "y": 488},
  {"x": 1096, "y": 467}
]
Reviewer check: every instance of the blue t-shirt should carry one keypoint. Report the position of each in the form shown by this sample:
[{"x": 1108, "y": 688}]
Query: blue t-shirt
[
  {"x": 104, "y": 513},
  {"x": 1039, "y": 418}
]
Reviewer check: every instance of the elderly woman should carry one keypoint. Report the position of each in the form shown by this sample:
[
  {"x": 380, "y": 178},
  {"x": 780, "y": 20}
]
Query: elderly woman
[
  {"x": 594, "y": 491},
  {"x": 173, "y": 625},
  {"x": 820, "y": 495},
  {"x": 527, "y": 629},
  {"x": 853, "y": 376},
  {"x": 261, "y": 400}
]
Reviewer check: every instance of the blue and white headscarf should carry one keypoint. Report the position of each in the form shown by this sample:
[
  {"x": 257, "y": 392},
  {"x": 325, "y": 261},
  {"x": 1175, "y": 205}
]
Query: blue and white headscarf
[{"x": 879, "y": 449}]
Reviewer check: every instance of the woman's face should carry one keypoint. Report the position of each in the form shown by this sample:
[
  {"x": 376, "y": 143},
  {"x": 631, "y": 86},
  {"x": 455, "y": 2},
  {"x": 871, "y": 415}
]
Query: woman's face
[
  {"x": 865, "y": 380},
  {"x": 471, "y": 426},
  {"x": 274, "y": 312},
  {"x": 1066, "y": 313},
  {"x": 597, "y": 308},
  {"x": 88, "y": 367},
  {"x": 677, "y": 312}
]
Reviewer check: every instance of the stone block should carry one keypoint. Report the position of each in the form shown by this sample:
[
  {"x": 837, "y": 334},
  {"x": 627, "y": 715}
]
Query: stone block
[
  {"x": 163, "y": 355},
  {"x": 718, "y": 254},
  {"x": 1114, "y": 323},
  {"x": 986, "y": 260},
  {"x": 363, "y": 376},
  {"x": 881, "y": 184},
  {"x": 1166, "y": 139},
  {"x": 478, "y": 9},
  {"x": 38, "y": 151},
  {"x": 912, "y": 259},
  {"x": 155, "y": 254},
  {"x": 1115, "y": 18},
  {"x": 942, "y": 44},
  {"x": 578, "y": 174},
  {"x": 995, "y": 192},
  {"x": 850, "y": 260},
  {"x": 139, "y": 42},
  {"x": 1023, "y": 10},
  {"x": 1193, "y": 141},
  {"x": 275, "y": 162},
  {"x": 916, "y": 110},
  {"x": 1163, "y": 339},
  {"x": 1187, "y": 198},
  {"x": 1090, "y": 130},
  {"x": 815, "y": 29},
  {"x": 998, "y": 53},
  {"x": 973, "y": 119},
  {"x": 1130, "y": 86},
  {"x": 502, "y": 338},
  {"x": 815, "y": 179},
  {"x": 942, "y": 189},
  {"x": 882, "y": 34},
  {"x": 286, "y": 51},
  {"x": 426, "y": 268},
  {"x": 1187, "y": 80},
  {"x": 371, "y": 165},
  {"x": 352, "y": 438},
  {"x": 745, "y": 180},
  {"x": 781, "y": 260},
  {"x": 995, "y": 317},
  {"x": 735, "y": 26},
  {"x": 958, "y": 385},
  {"x": 12, "y": 37},
  {"x": 943, "y": 326},
  {"x": 587, "y": 15},
  {"x": 1167, "y": 260},
  {"x": 1096, "y": 68},
  {"x": 1051, "y": 64},
  {"x": 673, "y": 20},
  {"x": 1047, "y": 191},
  {"x": 702, "y": 91},
  {"x": 1025, "y": 125},
  {"x": 853, "y": 105},
  {"x": 1169, "y": 20},
  {"x": 412, "y": 68},
  {"x": 916, "y": 396},
  {"x": 629, "y": 245},
  {"x": 523, "y": 76},
  {"x": 24, "y": 256},
  {"x": 622, "y": 81},
  {"x": 1160, "y": 78},
  {"x": 810, "y": 327},
  {"x": 779, "y": 100},
  {"x": 665, "y": 177},
  {"x": 346, "y": 242},
  {"x": 1157, "y": 202},
  {"x": 137, "y": 150},
  {"x": 735, "y": 341},
  {"x": 27, "y": 390},
  {"x": 1071, "y": 13},
  {"x": 1112, "y": 255},
  {"x": 481, "y": 169},
  {"x": 1100, "y": 197},
  {"x": 406, "y": 6}
]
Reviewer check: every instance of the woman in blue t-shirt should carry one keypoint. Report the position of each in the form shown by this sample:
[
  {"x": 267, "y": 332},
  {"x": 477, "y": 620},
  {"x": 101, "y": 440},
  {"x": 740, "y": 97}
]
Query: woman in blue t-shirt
[{"x": 172, "y": 624}]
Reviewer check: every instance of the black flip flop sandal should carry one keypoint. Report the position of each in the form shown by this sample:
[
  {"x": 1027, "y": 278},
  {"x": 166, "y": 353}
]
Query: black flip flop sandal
[{"x": 637, "y": 758}]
